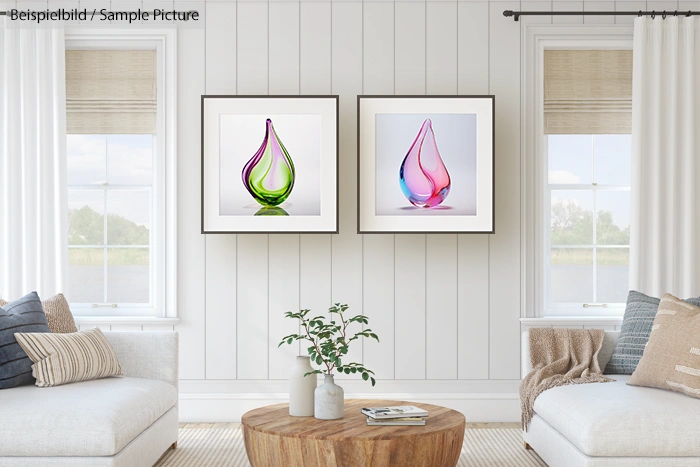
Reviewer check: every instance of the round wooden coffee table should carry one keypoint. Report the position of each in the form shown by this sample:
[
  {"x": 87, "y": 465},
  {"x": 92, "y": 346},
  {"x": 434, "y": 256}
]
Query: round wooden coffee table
[{"x": 274, "y": 439}]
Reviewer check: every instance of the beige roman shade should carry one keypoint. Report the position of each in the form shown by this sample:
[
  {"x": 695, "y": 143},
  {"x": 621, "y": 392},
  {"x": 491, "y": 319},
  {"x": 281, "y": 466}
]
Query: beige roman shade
[
  {"x": 111, "y": 91},
  {"x": 587, "y": 91}
]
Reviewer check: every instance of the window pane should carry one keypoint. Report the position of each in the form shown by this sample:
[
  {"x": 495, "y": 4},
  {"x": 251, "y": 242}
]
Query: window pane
[
  {"x": 130, "y": 159},
  {"x": 570, "y": 159},
  {"x": 572, "y": 217},
  {"x": 613, "y": 219},
  {"x": 86, "y": 275},
  {"x": 129, "y": 217},
  {"x": 612, "y": 275},
  {"x": 86, "y": 159},
  {"x": 571, "y": 275},
  {"x": 613, "y": 159},
  {"x": 128, "y": 278},
  {"x": 85, "y": 217}
]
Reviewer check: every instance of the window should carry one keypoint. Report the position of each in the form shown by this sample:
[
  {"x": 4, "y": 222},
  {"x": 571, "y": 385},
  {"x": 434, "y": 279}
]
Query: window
[
  {"x": 582, "y": 142},
  {"x": 588, "y": 193},
  {"x": 120, "y": 173},
  {"x": 110, "y": 219}
]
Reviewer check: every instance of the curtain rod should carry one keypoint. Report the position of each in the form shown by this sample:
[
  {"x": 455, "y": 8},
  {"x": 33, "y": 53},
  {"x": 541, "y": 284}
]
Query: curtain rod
[{"x": 517, "y": 14}]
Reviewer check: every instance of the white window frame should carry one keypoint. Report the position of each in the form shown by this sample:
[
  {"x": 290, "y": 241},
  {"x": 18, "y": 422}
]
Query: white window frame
[
  {"x": 164, "y": 231},
  {"x": 534, "y": 174}
]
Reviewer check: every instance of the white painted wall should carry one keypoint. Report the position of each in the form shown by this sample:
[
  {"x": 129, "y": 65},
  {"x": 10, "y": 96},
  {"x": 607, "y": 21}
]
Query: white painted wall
[{"x": 446, "y": 306}]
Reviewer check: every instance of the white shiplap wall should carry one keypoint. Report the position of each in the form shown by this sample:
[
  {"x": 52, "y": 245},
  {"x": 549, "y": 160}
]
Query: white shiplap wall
[{"x": 446, "y": 306}]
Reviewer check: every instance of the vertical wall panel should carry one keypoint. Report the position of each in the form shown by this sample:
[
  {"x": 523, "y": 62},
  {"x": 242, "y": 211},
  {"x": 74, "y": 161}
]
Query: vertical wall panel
[
  {"x": 283, "y": 260},
  {"x": 473, "y": 60},
  {"x": 473, "y": 257},
  {"x": 441, "y": 47},
  {"x": 315, "y": 47},
  {"x": 409, "y": 311},
  {"x": 221, "y": 249},
  {"x": 284, "y": 47},
  {"x": 441, "y": 312},
  {"x": 315, "y": 71},
  {"x": 283, "y": 296},
  {"x": 252, "y": 305},
  {"x": 408, "y": 277},
  {"x": 378, "y": 291},
  {"x": 504, "y": 248},
  {"x": 378, "y": 48},
  {"x": 409, "y": 73},
  {"x": 252, "y": 33},
  {"x": 346, "y": 269},
  {"x": 190, "y": 242}
]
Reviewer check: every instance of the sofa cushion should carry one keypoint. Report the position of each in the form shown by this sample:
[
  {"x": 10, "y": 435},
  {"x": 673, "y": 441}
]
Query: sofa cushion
[
  {"x": 91, "y": 418},
  {"x": 616, "y": 420}
]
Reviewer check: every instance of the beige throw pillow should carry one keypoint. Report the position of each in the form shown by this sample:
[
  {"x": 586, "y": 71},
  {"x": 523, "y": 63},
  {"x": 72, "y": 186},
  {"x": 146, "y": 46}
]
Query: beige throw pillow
[
  {"x": 671, "y": 358},
  {"x": 57, "y": 312},
  {"x": 68, "y": 358}
]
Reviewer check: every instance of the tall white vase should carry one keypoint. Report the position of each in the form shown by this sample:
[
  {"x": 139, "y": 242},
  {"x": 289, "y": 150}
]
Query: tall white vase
[
  {"x": 330, "y": 400},
  {"x": 301, "y": 389}
]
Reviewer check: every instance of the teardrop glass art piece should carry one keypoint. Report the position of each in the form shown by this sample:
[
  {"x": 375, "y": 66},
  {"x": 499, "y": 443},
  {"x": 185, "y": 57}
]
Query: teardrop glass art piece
[
  {"x": 423, "y": 176},
  {"x": 269, "y": 174}
]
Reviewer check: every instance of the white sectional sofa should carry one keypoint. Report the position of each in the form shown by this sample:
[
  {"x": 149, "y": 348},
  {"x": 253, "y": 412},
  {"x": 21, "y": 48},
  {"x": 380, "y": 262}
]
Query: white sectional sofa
[
  {"x": 612, "y": 424},
  {"x": 125, "y": 421}
]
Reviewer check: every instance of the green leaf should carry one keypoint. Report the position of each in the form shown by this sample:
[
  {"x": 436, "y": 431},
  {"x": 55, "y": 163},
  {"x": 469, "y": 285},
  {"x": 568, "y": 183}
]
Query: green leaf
[
  {"x": 365, "y": 376},
  {"x": 290, "y": 340},
  {"x": 337, "y": 361},
  {"x": 373, "y": 381},
  {"x": 319, "y": 360},
  {"x": 354, "y": 370},
  {"x": 347, "y": 370}
]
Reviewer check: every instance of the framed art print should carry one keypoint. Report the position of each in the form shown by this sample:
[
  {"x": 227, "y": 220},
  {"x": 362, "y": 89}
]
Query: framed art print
[
  {"x": 425, "y": 164},
  {"x": 269, "y": 164}
]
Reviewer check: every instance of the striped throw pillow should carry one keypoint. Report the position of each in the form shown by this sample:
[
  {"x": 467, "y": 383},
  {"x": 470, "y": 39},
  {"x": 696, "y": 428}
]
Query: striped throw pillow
[
  {"x": 23, "y": 315},
  {"x": 68, "y": 358},
  {"x": 672, "y": 357}
]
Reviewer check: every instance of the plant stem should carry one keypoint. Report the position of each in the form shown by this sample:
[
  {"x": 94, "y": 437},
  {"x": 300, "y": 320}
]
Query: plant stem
[{"x": 318, "y": 351}]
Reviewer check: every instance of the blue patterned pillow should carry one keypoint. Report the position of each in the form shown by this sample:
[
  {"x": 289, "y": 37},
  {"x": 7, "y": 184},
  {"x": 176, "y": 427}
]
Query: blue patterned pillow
[
  {"x": 634, "y": 335},
  {"x": 23, "y": 315}
]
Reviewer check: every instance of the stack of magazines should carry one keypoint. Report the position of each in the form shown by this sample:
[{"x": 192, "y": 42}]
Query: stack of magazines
[{"x": 403, "y": 415}]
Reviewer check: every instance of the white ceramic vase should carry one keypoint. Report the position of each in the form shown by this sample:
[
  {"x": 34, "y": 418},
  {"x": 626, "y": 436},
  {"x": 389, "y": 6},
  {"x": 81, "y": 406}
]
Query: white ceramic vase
[
  {"x": 301, "y": 389},
  {"x": 330, "y": 400}
]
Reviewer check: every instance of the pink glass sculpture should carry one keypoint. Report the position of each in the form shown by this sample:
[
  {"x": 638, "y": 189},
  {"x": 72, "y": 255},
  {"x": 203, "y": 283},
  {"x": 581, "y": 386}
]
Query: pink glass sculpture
[
  {"x": 269, "y": 174},
  {"x": 423, "y": 176}
]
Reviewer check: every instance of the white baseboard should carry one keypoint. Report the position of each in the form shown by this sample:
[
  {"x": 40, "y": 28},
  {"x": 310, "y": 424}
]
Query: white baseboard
[{"x": 229, "y": 407}]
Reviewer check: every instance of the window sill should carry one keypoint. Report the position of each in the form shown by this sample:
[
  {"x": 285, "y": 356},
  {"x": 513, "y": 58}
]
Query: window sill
[
  {"x": 125, "y": 320},
  {"x": 572, "y": 321}
]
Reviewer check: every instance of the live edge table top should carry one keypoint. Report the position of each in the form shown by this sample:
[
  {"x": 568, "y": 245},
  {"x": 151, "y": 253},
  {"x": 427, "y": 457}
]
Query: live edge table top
[{"x": 275, "y": 420}]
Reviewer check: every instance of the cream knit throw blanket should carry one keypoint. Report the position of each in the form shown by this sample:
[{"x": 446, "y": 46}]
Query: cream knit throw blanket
[{"x": 560, "y": 357}]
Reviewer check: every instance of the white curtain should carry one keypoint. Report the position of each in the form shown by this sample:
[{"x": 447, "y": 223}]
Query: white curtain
[
  {"x": 665, "y": 220},
  {"x": 33, "y": 206}
]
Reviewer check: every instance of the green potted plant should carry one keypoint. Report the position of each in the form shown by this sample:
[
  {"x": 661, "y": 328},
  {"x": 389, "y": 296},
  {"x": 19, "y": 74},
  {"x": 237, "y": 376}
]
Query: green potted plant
[{"x": 330, "y": 339}]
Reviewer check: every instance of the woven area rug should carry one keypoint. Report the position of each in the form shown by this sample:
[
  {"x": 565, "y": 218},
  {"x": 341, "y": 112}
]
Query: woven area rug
[{"x": 210, "y": 447}]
